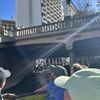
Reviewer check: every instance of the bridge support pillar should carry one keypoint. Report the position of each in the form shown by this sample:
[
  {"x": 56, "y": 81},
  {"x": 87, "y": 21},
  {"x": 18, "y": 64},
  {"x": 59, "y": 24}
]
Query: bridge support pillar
[{"x": 72, "y": 57}]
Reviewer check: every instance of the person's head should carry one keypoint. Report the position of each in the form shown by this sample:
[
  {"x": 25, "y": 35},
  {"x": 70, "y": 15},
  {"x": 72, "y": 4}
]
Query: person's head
[
  {"x": 82, "y": 85},
  {"x": 3, "y": 75},
  {"x": 75, "y": 67},
  {"x": 67, "y": 61},
  {"x": 57, "y": 71}
]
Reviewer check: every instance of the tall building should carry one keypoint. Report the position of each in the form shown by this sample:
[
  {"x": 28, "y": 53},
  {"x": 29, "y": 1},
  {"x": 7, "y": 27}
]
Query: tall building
[
  {"x": 8, "y": 25},
  {"x": 69, "y": 8},
  {"x": 38, "y": 12},
  {"x": 7, "y": 30}
]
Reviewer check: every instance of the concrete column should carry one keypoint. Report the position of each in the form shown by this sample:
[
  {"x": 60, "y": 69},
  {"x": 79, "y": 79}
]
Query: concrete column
[{"x": 72, "y": 57}]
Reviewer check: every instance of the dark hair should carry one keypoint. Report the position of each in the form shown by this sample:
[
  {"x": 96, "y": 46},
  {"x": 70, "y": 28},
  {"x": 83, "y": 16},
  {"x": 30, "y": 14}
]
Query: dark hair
[
  {"x": 58, "y": 70},
  {"x": 77, "y": 67}
]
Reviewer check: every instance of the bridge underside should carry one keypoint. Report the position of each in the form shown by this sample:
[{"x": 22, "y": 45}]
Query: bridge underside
[
  {"x": 19, "y": 57},
  {"x": 46, "y": 50},
  {"x": 20, "y": 60},
  {"x": 87, "y": 47}
]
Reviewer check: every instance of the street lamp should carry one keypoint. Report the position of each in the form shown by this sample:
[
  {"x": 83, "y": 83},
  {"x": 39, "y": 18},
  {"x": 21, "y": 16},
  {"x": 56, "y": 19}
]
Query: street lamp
[{"x": 68, "y": 5}]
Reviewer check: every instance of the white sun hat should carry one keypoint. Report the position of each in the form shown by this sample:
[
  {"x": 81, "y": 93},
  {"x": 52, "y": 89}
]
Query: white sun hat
[
  {"x": 82, "y": 85},
  {"x": 4, "y": 73}
]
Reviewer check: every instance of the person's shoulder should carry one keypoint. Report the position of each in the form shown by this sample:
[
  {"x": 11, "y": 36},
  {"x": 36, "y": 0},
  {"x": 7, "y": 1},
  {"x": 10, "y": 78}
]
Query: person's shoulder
[{"x": 51, "y": 84}]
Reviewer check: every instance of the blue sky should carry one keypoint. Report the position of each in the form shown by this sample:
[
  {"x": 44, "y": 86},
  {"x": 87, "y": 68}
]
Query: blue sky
[
  {"x": 93, "y": 2},
  {"x": 7, "y": 9}
]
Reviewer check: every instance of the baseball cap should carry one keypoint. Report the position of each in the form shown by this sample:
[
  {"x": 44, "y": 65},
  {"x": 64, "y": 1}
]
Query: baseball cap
[
  {"x": 58, "y": 70},
  {"x": 4, "y": 73},
  {"x": 82, "y": 85}
]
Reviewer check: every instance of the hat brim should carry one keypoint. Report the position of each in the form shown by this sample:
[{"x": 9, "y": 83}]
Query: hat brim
[
  {"x": 7, "y": 73},
  {"x": 61, "y": 81},
  {"x": 86, "y": 81}
]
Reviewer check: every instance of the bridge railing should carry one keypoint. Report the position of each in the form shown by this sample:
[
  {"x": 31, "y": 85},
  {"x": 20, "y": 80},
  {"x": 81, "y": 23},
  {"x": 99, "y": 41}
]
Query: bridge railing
[{"x": 66, "y": 24}]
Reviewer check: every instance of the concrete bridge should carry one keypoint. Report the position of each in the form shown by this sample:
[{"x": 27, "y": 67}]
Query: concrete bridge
[
  {"x": 65, "y": 32},
  {"x": 61, "y": 32},
  {"x": 19, "y": 49}
]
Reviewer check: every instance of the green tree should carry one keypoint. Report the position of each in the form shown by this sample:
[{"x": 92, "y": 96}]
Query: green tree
[
  {"x": 85, "y": 7},
  {"x": 98, "y": 6}
]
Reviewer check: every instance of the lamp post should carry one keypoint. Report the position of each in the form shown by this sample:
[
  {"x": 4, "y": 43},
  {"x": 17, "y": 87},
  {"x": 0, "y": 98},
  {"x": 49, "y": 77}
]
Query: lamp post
[{"x": 68, "y": 5}]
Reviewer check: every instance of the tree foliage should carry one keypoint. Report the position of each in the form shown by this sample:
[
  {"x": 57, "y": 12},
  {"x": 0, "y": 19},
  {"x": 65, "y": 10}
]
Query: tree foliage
[{"x": 85, "y": 7}]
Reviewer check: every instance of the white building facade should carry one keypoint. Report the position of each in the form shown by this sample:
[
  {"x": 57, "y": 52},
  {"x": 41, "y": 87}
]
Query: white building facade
[
  {"x": 69, "y": 8},
  {"x": 37, "y": 12}
]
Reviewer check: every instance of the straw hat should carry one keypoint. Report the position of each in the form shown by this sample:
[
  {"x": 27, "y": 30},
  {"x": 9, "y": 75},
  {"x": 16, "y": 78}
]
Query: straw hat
[{"x": 82, "y": 85}]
